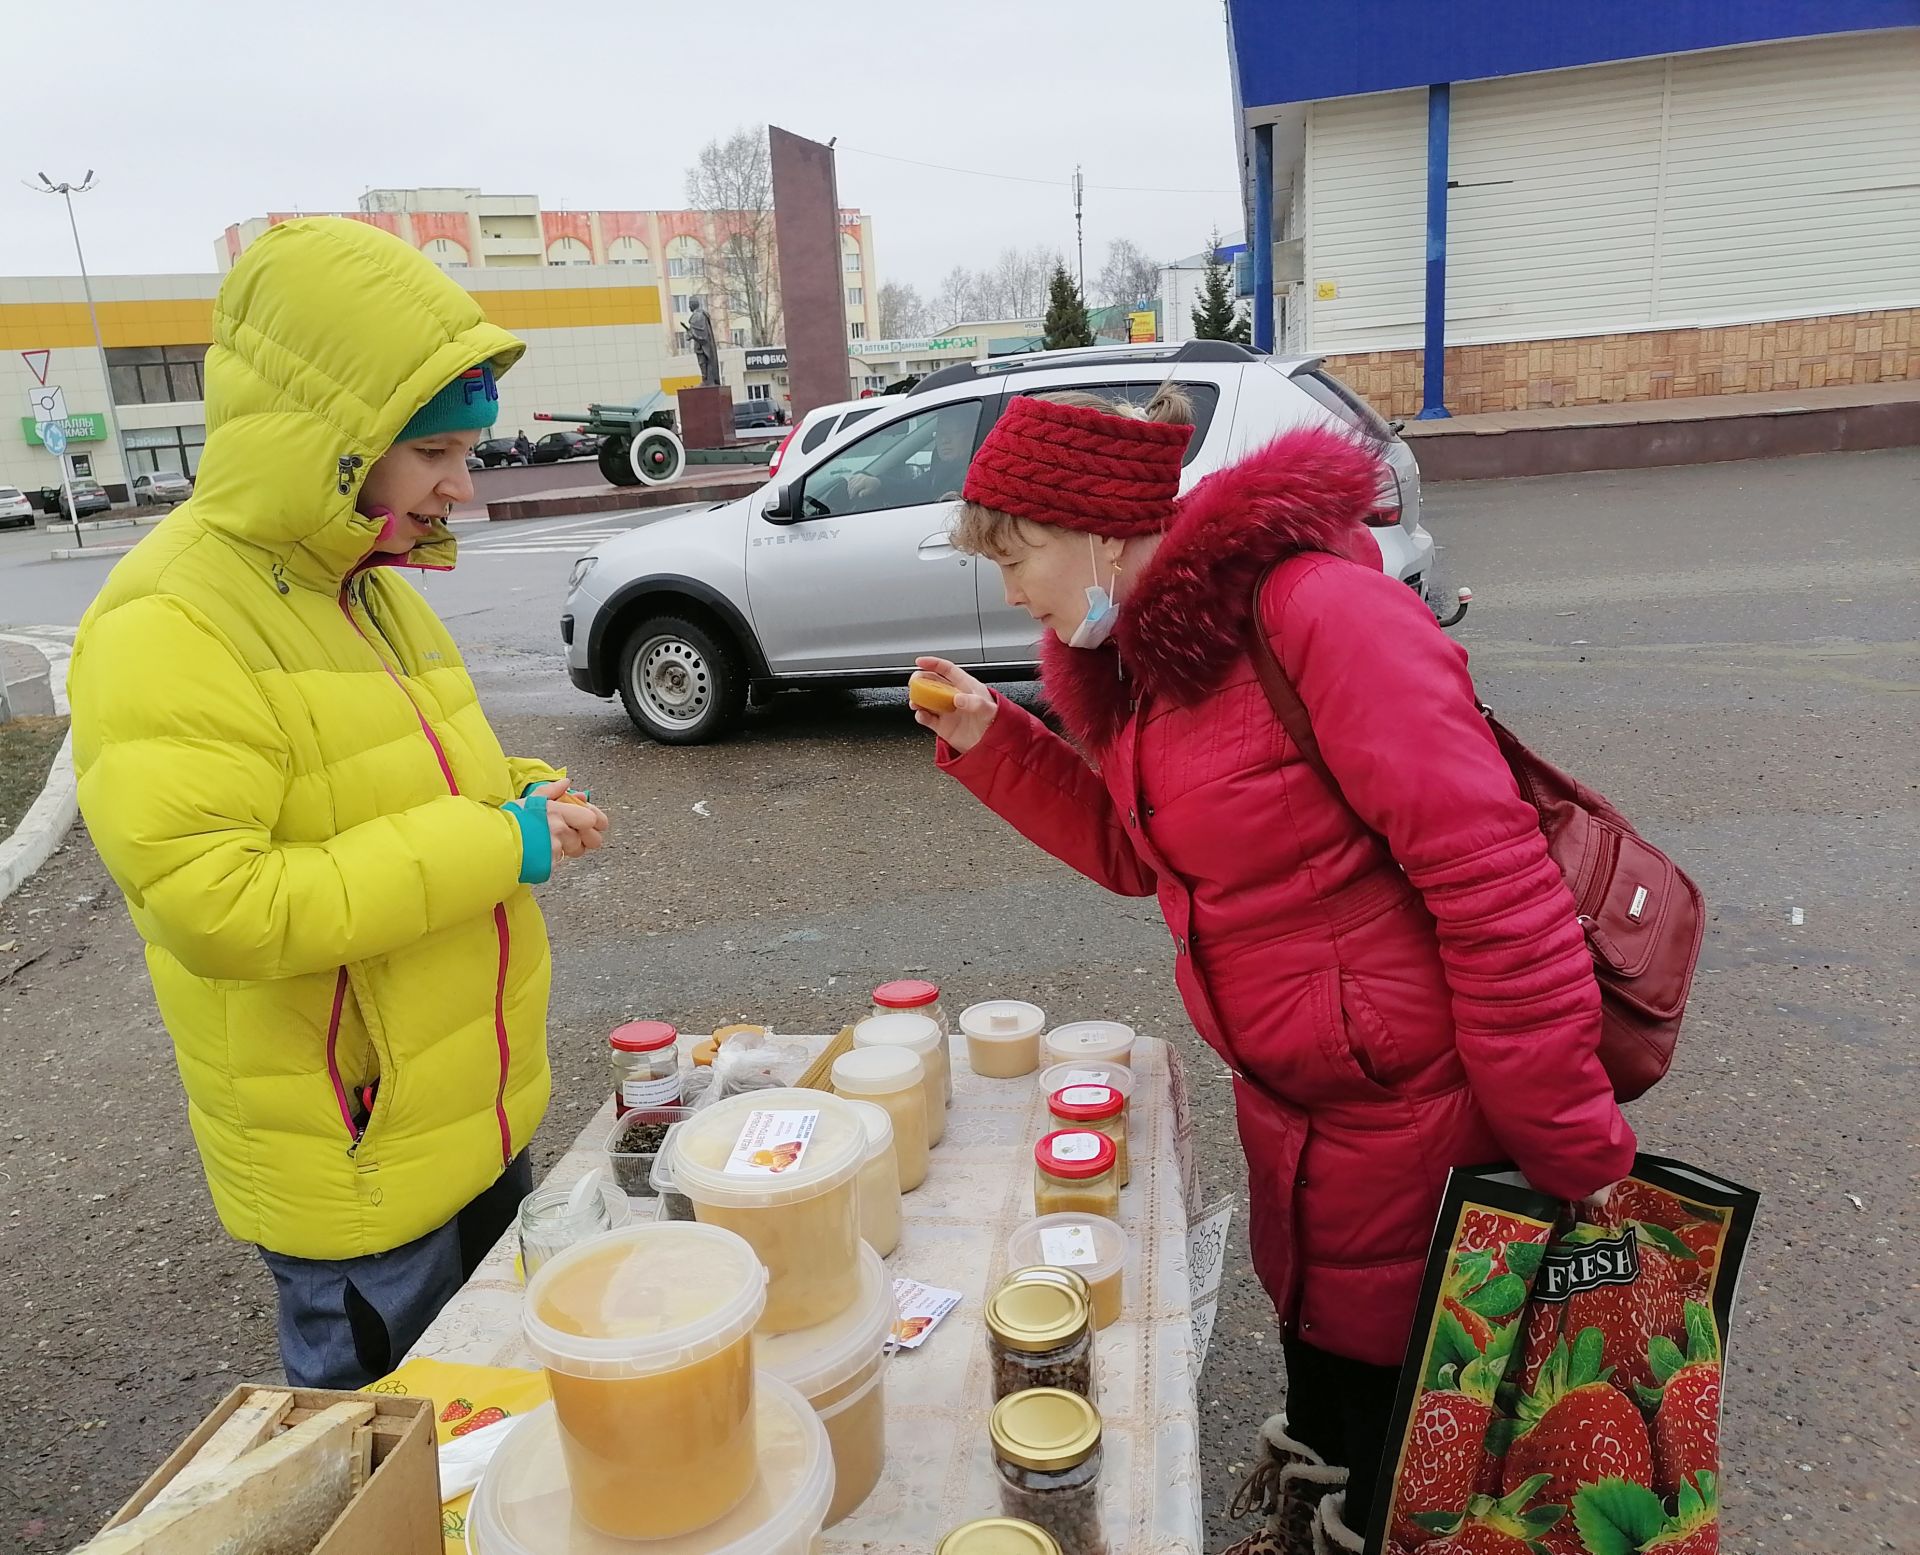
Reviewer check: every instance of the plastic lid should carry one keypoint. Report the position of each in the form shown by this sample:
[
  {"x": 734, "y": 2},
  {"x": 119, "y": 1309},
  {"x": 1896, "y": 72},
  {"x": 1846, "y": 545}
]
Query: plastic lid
[
  {"x": 879, "y": 1124},
  {"x": 1034, "y": 1316},
  {"x": 523, "y": 1505},
  {"x": 1091, "y": 1039},
  {"x": 910, "y": 993},
  {"x": 1110, "y": 1243},
  {"x": 703, "y": 1144},
  {"x": 1002, "y": 1020},
  {"x": 878, "y": 1071},
  {"x": 643, "y": 1300},
  {"x": 1087, "y": 1071},
  {"x": 816, "y": 1360},
  {"x": 1086, "y": 1103},
  {"x": 1047, "y": 1429},
  {"x": 915, "y": 1033},
  {"x": 642, "y": 1036},
  {"x": 1075, "y": 1154},
  {"x": 998, "y": 1536}
]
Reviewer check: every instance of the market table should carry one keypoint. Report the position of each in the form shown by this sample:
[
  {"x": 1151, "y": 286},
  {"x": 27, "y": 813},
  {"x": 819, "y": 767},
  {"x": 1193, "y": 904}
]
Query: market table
[{"x": 940, "y": 1470}]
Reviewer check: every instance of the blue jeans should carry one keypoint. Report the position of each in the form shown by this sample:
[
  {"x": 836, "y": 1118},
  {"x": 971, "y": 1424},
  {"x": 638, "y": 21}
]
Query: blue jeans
[{"x": 346, "y": 1322}]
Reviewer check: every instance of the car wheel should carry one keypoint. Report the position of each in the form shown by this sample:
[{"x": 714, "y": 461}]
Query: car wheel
[{"x": 681, "y": 683}]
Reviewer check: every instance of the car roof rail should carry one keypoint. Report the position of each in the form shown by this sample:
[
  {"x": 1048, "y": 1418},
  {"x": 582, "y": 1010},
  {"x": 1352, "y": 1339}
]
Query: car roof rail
[{"x": 1090, "y": 356}]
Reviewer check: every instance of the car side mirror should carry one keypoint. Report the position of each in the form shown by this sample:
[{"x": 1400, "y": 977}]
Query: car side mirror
[{"x": 777, "y": 507}]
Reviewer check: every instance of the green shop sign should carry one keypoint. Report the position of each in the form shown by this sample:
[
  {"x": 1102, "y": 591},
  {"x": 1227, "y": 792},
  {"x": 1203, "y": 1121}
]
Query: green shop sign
[{"x": 90, "y": 428}]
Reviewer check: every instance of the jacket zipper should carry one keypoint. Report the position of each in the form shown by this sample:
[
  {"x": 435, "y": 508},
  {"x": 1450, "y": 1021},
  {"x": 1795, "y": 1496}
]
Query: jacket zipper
[
  {"x": 333, "y": 1062},
  {"x": 502, "y": 932}
]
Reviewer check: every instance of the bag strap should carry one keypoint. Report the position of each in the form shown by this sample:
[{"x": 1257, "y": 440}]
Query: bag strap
[{"x": 1281, "y": 695}]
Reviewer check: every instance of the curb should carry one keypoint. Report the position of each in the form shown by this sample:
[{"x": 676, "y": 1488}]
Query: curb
[
  {"x": 45, "y": 825},
  {"x": 77, "y": 553},
  {"x": 622, "y": 499}
]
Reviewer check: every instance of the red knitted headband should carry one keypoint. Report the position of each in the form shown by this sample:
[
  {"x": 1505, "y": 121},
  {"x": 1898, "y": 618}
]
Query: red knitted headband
[{"x": 1079, "y": 469}]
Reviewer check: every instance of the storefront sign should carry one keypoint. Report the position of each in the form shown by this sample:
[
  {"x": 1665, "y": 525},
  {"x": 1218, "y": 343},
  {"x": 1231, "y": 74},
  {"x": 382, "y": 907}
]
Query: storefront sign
[
  {"x": 1140, "y": 327},
  {"x": 88, "y": 428},
  {"x": 766, "y": 359},
  {"x": 869, "y": 349}
]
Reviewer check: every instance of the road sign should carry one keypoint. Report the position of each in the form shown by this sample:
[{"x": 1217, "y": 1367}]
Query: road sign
[
  {"x": 46, "y": 403},
  {"x": 37, "y": 360},
  {"x": 54, "y": 437}
]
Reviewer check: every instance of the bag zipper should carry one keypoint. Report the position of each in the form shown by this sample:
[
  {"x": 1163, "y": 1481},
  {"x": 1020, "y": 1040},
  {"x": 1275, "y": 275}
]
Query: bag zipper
[{"x": 502, "y": 931}]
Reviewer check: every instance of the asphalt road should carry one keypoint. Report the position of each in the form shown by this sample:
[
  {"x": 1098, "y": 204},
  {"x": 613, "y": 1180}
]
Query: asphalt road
[{"x": 1732, "y": 653}]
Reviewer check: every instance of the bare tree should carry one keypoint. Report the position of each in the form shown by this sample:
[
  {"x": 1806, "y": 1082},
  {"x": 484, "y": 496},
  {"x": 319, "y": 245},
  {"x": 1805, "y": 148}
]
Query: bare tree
[
  {"x": 1015, "y": 285},
  {"x": 1128, "y": 277},
  {"x": 958, "y": 298},
  {"x": 904, "y": 313},
  {"x": 732, "y": 180}
]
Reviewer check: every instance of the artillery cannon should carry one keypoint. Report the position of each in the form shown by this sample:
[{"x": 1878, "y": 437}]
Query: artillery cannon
[{"x": 640, "y": 444}]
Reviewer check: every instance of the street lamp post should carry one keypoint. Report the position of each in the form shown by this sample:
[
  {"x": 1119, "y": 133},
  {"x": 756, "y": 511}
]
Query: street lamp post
[{"x": 67, "y": 192}]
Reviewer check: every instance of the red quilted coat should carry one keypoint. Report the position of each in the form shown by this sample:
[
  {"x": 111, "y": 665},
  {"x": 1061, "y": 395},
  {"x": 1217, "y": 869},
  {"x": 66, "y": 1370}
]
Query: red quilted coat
[{"x": 1389, "y": 1010}]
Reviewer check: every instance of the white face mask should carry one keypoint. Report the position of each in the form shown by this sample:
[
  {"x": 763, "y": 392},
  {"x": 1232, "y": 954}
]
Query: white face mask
[{"x": 1102, "y": 613}]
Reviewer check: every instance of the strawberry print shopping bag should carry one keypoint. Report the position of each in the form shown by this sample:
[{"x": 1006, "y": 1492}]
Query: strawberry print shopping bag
[{"x": 1562, "y": 1389}]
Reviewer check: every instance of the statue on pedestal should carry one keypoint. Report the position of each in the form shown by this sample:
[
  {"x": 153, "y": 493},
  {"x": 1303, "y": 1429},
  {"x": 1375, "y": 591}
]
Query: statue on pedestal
[{"x": 699, "y": 329}]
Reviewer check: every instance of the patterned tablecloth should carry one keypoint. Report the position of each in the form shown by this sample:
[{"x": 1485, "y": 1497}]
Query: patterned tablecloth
[{"x": 939, "y": 1465}]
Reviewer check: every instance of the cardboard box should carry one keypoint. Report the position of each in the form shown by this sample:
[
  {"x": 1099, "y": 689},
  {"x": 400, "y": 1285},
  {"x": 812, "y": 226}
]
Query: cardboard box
[{"x": 397, "y": 1510}]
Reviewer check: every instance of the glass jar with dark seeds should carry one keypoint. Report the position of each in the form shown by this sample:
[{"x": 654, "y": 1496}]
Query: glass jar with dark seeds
[
  {"x": 1040, "y": 1333},
  {"x": 1046, "y": 1449}
]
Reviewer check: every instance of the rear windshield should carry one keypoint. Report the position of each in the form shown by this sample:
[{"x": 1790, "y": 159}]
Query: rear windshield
[
  {"x": 1204, "y": 397},
  {"x": 1329, "y": 391}
]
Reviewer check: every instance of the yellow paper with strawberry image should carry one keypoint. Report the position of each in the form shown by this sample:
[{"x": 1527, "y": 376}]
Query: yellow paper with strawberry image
[
  {"x": 1562, "y": 1391},
  {"x": 465, "y": 1399}
]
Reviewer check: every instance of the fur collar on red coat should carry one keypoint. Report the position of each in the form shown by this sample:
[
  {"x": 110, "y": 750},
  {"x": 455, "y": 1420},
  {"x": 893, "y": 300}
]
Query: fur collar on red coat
[{"x": 1184, "y": 622}]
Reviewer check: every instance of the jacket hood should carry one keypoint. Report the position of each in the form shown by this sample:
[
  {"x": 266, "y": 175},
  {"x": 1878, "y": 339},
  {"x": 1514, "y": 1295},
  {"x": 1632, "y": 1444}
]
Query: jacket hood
[
  {"x": 1184, "y": 623},
  {"x": 328, "y": 335}
]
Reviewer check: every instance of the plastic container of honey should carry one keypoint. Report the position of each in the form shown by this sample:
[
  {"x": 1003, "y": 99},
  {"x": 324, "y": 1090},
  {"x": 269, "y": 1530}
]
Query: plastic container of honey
[
  {"x": 1003, "y": 1037},
  {"x": 879, "y": 1180},
  {"x": 780, "y": 1167},
  {"x": 1099, "y": 1107},
  {"x": 1087, "y": 1071},
  {"x": 840, "y": 1369},
  {"x": 1074, "y": 1169},
  {"x": 646, "y": 1335},
  {"x": 895, "y": 1079},
  {"x": 524, "y": 1504},
  {"x": 1111, "y": 1040},
  {"x": 1092, "y": 1246},
  {"x": 918, "y": 1035}
]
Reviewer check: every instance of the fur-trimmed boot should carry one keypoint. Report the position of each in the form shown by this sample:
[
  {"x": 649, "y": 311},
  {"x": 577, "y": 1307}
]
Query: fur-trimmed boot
[
  {"x": 1331, "y": 1535},
  {"x": 1286, "y": 1487}
]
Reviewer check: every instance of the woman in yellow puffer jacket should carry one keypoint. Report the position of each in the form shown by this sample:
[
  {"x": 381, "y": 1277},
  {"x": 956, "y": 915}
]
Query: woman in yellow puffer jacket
[{"x": 286, "y": 769}]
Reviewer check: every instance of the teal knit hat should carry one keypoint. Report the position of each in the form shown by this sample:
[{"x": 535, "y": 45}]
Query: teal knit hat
[{"x": 471, "y": 403}]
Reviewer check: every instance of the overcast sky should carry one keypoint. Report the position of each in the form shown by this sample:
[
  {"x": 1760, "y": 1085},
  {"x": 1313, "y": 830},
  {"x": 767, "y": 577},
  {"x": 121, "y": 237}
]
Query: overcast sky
[{"x": 198, "y": 113}]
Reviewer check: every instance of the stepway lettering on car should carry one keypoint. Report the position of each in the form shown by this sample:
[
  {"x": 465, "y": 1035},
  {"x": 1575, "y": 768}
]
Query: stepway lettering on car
[{"x": 796, "y": 537}]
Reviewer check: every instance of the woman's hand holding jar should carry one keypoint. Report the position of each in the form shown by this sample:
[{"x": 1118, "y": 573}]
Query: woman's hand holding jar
[
  {"x": 974, "y": 706},
  {"x": 576, "y": 826}
]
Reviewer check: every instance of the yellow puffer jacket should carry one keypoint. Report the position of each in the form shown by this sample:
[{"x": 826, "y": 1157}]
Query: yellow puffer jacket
[{"x": 285, "y": 766}]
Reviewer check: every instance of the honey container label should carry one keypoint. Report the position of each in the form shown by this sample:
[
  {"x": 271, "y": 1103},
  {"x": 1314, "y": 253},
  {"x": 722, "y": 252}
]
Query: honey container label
[
  {"x": 771, "y": 1144},
  {"x": 1067, "y": 1247}
]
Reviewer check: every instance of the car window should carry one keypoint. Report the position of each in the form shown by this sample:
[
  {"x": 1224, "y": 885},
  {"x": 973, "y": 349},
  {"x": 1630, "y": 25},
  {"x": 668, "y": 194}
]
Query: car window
[
  {"x": 1203, "y": 396},
  {"x": 916, "y": 459},
  {"x": 1329, "y": 391}
]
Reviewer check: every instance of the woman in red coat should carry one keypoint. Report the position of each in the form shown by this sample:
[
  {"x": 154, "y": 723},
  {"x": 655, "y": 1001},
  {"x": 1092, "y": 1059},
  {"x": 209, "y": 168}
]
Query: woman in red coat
[{"x": 1394, "y": 973}]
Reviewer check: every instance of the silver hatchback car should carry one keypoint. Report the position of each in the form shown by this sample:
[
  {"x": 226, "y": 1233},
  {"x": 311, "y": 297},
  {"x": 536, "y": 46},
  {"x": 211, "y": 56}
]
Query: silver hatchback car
[{"x": 841, "y": 570}]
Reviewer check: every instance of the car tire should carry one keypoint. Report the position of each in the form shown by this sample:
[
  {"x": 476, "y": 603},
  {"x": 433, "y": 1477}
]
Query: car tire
[{"x": 681, "y": 683}]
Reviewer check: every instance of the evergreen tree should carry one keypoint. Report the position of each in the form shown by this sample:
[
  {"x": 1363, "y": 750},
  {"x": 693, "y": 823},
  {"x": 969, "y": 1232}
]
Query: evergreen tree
[
  {"x": 1216, "y": 316},
  {"x": 1067, "y": 323}
]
